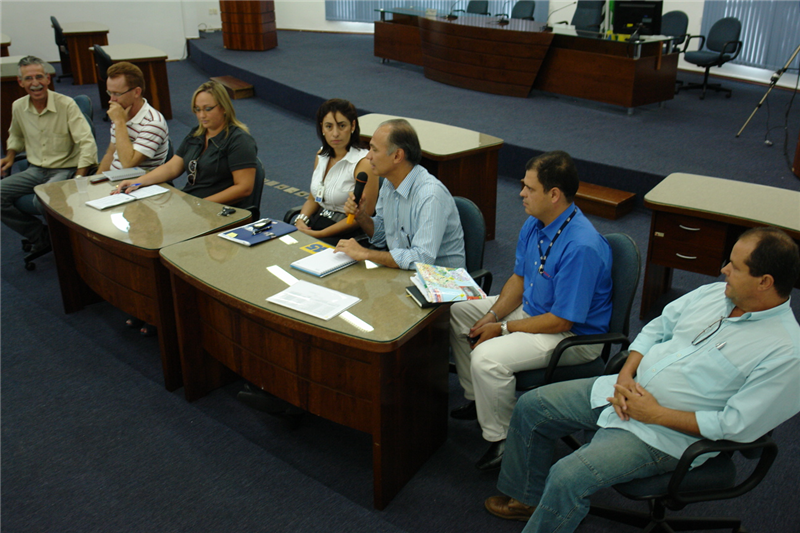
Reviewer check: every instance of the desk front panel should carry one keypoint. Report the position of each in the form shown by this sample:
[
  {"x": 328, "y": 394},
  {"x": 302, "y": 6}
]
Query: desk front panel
[
  {"x": 390, "y": 383},
  {"x": 112, "y": 255},
  {"x": 478, "y": 54},
  {"x": 81, "y": 58}
]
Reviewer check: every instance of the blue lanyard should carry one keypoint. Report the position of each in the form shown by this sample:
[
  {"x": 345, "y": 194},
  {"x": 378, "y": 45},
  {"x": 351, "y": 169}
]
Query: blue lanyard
[{"x": 542, "y": 256}]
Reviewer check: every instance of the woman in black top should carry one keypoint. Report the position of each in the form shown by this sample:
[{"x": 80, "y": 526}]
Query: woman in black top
[{"x": 218, "y": 156}]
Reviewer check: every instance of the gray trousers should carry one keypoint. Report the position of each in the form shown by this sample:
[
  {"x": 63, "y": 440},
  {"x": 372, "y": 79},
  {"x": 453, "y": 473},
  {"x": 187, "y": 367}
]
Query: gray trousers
[{"x": 18, "y": 185}]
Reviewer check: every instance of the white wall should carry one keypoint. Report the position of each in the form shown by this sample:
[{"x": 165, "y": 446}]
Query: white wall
[
  {"x": 166, "y": 24},
  {"x": 162, "y": 24}
]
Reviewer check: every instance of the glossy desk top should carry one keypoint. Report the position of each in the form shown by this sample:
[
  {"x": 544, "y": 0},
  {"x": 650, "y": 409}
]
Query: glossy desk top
[
  {"x": 9, "y": 68},
  {"x": 83, "y": 27},
  {"x": 149, "y": 224},
  {"x": 435, "y": 138},
  {"x": 735, "y": 199},
  {"x": 241, "y": 272},
  {"x": 130, "y": 52}
]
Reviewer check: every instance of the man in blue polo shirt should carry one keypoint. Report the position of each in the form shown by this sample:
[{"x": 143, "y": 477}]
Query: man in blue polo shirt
[{"x": 561, "y": 286}]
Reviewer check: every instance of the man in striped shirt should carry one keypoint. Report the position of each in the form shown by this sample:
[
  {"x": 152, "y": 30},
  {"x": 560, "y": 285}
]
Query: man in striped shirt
[{"x": 147, "y": 140}]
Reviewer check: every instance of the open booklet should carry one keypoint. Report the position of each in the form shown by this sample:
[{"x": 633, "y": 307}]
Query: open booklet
[
  {"x": 113, "y": 200},
  {"x": 441, "y": 284}
]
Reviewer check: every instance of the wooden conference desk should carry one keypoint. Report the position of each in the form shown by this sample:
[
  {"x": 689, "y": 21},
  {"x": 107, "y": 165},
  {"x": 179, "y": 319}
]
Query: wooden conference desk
[
  {"x": 153, "y": 63},
  {"x": 390, "y": 383},
  {"x": 10, "y": 90},
  {"x": 113, "y": 254},
  {"x": 464, "y": 160},
  {"x": 474, "y": 52},
  {"x": 697, "y": 220},
  {"x": 81, "y": 36}
]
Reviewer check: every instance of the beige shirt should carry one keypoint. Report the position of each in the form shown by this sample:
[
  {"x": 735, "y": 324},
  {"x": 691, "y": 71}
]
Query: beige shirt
[{"x": 59, "y": 137}]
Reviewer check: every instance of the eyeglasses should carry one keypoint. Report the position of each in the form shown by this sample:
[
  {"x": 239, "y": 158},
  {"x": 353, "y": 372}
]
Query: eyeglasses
[
  {"x": 38, "y": 77},
  {"x": 192, "y": 171},
  {"x": 708, "y": 332},
  {"x": 117, "y": 95},
  {"x": 207, "y": 109}
]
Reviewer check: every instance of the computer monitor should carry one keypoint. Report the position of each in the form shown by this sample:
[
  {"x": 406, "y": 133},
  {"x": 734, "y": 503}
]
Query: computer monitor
[{"x": 627, "y": 15}]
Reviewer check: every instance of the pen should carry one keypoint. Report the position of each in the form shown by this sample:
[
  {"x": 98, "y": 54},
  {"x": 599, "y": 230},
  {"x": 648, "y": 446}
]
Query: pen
[{"x": 721, "y": 344}]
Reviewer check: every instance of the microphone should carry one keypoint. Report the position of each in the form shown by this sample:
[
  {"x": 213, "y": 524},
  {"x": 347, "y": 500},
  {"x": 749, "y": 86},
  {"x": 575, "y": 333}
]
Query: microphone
[
  {"x": 503, "y": 16},
  {"x": 547, "y": 22},
  {"x": 637, "y": 30},
  {"x": 361, "y": 181},
  {"x": 450, "y": 15}
]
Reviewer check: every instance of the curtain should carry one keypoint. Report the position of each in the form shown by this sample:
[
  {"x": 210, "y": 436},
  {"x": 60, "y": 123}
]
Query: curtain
[
  {"x": 364, "y": 10},
  {"x": 770, "y": 29}
]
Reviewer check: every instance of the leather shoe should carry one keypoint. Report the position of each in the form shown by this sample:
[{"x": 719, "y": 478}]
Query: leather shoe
[
  {"x": 506, "y": 507},
  {"x": 493, "y": 456},
  {"x": 465, "y": 412}
]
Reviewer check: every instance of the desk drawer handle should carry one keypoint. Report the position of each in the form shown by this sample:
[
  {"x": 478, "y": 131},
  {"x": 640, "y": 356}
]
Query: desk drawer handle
[
  {"x": 687, "y": 228},
  {"x": 686, "y": 256}
]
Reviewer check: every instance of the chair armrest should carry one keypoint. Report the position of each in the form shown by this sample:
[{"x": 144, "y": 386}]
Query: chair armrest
[
  {"x": 291, "y": 213},
  {"x": 690, "y": 37},
  {"x": 606, "y": 339},
  {"x": 483, "y": 278},
  {"x": 769, "y": 450},
  {"x": 737, "y": 47},
  {"x": 616, "y": 362}
]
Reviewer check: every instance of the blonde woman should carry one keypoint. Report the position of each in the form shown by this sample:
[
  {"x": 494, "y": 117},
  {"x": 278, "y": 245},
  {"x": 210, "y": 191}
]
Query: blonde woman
[{"x": 219, "y": 156}]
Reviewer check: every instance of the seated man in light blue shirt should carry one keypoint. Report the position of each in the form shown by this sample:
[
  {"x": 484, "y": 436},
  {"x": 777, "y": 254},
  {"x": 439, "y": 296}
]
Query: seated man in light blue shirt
[
  {"x": 722, "y": 362},
  {"x": 416, "y": 217}
]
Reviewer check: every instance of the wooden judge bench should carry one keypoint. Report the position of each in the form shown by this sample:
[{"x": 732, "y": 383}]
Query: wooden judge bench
[{"x": 248, "y": 25}]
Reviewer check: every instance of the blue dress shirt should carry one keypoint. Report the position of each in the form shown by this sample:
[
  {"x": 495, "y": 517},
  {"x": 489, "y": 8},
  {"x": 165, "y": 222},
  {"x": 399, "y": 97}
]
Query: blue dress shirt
[
  {"x": 741, "y": 381},
  {"x": 419, "y": 222},
  {"x": 576, "y": 282}
]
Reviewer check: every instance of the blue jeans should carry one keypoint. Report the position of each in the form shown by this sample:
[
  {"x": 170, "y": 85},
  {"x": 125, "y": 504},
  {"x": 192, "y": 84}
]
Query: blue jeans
[
  {"x": 18, "y": 185},
  {"x": 561, "y": 492}
]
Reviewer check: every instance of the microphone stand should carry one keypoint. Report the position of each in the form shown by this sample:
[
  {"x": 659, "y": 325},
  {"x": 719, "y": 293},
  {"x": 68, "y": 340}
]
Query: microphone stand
[
  {"x": 503, "y": 16},
  {"x": 772, "y": 81}
]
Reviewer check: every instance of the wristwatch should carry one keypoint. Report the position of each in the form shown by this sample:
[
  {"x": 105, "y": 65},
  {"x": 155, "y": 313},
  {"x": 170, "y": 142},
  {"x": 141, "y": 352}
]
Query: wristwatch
[{"x": 504, "y": 328}]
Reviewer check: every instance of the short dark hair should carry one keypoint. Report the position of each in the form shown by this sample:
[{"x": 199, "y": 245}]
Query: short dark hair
[
  {"x": 31, "y": 60},
  {"x": 556, "y": 169},
  {"x": 133, "y": 74},
  {"x": 402, "y": 135},
  {"x": 775, "y": 254},
  {"x": 337, "y": 105}
]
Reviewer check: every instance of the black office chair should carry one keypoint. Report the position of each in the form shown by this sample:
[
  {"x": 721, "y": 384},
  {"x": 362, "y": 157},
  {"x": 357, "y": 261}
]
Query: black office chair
[
  {"x": 625, "y": 270},
  {"x": 474, "y": 226},
  {"x": 63, "y": 50},
  {"x": 523, "y": 10},
  {"x": 588, "y": 15},
  {"x": 713, "y": 480},
  {"x": 102, "y": 61},
  {"x": 476, "y": 7},
  {"x": 674, "y": 24},
  {"x": 722, "y": 45},
  {"x": 253, "y": 203}
]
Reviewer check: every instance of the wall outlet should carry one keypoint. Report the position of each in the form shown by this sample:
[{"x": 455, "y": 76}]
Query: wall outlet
[{"x": 212, "y": 11}]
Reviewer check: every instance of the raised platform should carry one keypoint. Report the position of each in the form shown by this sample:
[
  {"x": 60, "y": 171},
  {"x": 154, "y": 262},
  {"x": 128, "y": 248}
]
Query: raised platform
[{"x": 611, "y": 149}]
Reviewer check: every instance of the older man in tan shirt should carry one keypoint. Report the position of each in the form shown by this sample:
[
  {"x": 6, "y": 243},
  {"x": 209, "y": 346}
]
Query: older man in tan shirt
[{"x": 57, "y": 141}]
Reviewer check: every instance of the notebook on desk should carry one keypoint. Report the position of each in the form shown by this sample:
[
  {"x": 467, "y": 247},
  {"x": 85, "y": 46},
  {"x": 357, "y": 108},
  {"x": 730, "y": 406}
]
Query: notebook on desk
[
  {"x": 113, "y": 200},
  {"x": 124, "y": 174},
  {"x": 323, "y": 263}
]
